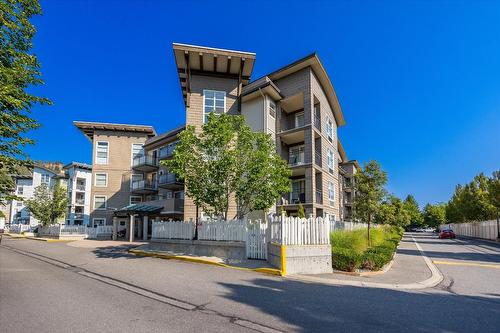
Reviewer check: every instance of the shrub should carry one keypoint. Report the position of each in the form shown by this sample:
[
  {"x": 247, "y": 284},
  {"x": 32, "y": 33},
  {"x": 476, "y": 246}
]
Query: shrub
[
  {"x": 346, "y": 259},
  {"x": 376, "y": 257},
  {"x": 354, "y": 240}
]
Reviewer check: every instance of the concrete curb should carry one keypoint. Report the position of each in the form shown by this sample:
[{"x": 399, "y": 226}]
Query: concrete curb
[
  {"x": 265, "y": 270},
  {"x": 435, "y": 278},
  {"x": 50, "y": 240},
  {"x": 11, "y": 236}
]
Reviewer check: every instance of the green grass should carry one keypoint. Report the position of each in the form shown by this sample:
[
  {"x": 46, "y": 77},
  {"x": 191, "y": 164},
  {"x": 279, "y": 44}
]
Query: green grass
[{"x": 351, "y": 251}]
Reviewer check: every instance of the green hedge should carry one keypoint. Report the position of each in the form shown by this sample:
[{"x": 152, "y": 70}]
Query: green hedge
[{"x": 350, "y": 250}]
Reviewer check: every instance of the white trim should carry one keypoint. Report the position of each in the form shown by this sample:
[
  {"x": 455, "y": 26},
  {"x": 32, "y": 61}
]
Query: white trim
[
  {"x": 105, "y": 202},
  {"x": 95, "y": 179},
  {"x": 107, "y": 152},
  {"x": 214, "y": 91}
]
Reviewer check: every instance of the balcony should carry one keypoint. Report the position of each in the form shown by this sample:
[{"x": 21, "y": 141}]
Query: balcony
[
  {"x": 145, "y": 163},
  {"x": 318, "y": 159},
  {"x": 78, "y": 216},
  {"x": 80, "y": 187},
  {"x": 319, "y": 196},
  {"x": 347, "y": 201},
  {"x": 168, "y": 151},
  {"x": 296, "y": 159},
  {"x": 143, "y": 187},
  {"x": 317, "y": 122},
  {"x": 169, "y": 181},
  {"x": 172, "y": 207},
  {"x": 80, "y": 201}
]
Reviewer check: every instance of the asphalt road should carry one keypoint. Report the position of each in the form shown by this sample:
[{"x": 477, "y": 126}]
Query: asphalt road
[{"x": 57, "y": 287}]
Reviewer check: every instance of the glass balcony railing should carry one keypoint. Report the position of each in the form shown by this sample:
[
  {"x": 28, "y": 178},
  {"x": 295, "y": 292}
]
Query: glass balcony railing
[
  {"x": 145, "y": 160},
  {"x": 296, "y": 159},
  {"x": 143, "y": 185},
  {"x": 167, "y": 152}
]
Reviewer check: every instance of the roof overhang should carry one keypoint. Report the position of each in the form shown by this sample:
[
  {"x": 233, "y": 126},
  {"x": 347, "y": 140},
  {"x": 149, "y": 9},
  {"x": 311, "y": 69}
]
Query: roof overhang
[
  {"x": 78, "y": 165},
  {"x": 341, "y": 150},
  {"x": 88, "y": 128},
  {"x": 138, "y": 209},
  {"x": 201, "y": 60},
  {"x": 262, "y": 86},
  {"x": 164, "y": 138},
  {"x": 313, "y": 61}
]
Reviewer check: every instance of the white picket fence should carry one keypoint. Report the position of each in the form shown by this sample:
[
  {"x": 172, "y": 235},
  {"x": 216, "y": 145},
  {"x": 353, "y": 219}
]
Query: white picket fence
[
  {"x": 101, "y": 231},
  {"x": 484, "y": 229},
  {"x": 349, "y": 226},
  {"x": 257, "y": 237},
  {"x": 172, "y": 230},
  {"x": 19, "y": 228},
  {"x": 75, "y": 230},
  {"x": 221, "y": 230}
]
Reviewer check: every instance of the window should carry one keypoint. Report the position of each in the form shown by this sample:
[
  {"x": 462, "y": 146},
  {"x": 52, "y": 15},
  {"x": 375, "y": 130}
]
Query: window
[
  {"x": 137, "y": 151},
  {"x": 135, "y": 199},
  {"x": 134, "y": 178},
  {"x": 330, "y": 160},
  {"x": 101, "y": 179},
  {"x": 329, "y": 129},
  {"x": 272, "y": 109},
  {"x": 299, "y": 119},
  {"x": 45, "y": 179},
  {"x": 298, "y": 191},
  {"x": 317, "y": 116},
  {"x": 296, "y": 155},
  {"x": 20, "y": 190},
  {"x": 213, "y": 101},
  {"x": 102, "y": 151},
  {"x": 98, "y": 222},
  {"x": 19, "y": 204},
  {"x": 331, "y": 193},
  {"x": 100, "y": 202}
]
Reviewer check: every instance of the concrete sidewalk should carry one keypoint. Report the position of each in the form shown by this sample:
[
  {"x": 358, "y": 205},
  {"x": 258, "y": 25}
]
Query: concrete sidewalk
[{"x": 411, "y": 269}]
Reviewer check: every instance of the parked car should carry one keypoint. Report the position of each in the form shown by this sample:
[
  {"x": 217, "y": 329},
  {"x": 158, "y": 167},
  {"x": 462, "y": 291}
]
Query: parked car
[{"x": 447, "y": 233}]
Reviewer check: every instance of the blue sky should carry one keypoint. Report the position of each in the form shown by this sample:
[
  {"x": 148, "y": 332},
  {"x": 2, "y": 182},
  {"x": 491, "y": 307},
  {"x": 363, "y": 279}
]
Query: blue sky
[{"x": 419, "y": 81}]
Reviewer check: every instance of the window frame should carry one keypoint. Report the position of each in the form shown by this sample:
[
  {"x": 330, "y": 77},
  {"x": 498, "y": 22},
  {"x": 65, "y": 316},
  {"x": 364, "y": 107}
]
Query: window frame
[
  {"x": 331, "y": 193},
  {"x": 330, "y": 157},
  {"x": 205, "y": 114},
  {"x": 269, "y": 108},
  {"x": 97, "y": 151},
  {"x": 296, "y": 117},
  {"x": 105, "y": 202},
  {"x": 106, "y": 179},
  {"x": 134, "y": 196},
  {"x": 20, "y": 189},
  {"x": 98, "y": 218},
  {"x": 329, "y": 129}
]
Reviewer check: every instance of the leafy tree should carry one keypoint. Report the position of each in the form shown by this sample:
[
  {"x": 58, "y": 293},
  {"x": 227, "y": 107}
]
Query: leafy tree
[
  {"x": 370, "y": 191},
  {"x": 227, "y": 160},
  {"x": 47, "y": 205},
  {"x": 19, "y": 70},
  {"x": 300, "y": 211},
  {"x": 494, "y": 195},
  {"x": 411, "y": 206},
  {"x": 434, "y": 215},
  {"x": 454, "y": 208},
  {"x": 393, "y": 211}
]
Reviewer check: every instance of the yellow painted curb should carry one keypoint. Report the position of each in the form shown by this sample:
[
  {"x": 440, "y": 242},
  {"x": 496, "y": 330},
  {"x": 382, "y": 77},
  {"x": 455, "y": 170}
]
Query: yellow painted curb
[
  {"x": 265, "y": 270},
  {"x": 454, "y": 263},
  {"x": 283, "y": 260},
  {"x": 14, "y": 237},
  {"x": 51, "y": 240}
]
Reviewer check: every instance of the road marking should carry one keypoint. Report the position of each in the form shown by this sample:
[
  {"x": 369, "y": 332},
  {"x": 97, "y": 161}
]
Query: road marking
[{"x": 454, "y": 263}]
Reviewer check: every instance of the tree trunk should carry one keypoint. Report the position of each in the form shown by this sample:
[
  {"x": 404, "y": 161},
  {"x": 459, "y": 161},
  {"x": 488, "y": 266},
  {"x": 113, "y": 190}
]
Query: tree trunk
[{"x": 196, "y": 224}]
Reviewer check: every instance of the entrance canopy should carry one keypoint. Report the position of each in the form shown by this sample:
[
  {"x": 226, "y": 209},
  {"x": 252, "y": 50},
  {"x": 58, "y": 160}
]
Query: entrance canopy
[{"x": 140, "y": 209}]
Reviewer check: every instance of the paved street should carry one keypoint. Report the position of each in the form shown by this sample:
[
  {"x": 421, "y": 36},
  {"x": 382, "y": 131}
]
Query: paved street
[{"x": 97, "y": 286}]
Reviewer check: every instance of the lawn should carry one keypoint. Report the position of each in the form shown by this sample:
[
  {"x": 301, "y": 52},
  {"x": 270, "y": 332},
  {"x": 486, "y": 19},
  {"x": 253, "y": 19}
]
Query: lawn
[{"x": 351, "y": 251}]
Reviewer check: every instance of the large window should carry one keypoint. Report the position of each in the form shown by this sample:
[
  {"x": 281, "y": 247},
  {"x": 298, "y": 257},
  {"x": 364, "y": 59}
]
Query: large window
[
  {"x": 102, "y": 152},
  {"x": 45, "y": 179},
  {"x": 98, "y": 222},
  {"x": 331, "y": 193},
  {"x": 137, "y": 151},
  {"x": 100, "y": 202},
  {"x": 213, "y": 101},
  {"x": 329, "y": 129},
  {"x": 20, "y": 190},
  {"x": 330, "y": 160},
  {"x": 101, "y": 179},
  {"x": 299, "y": 119}
]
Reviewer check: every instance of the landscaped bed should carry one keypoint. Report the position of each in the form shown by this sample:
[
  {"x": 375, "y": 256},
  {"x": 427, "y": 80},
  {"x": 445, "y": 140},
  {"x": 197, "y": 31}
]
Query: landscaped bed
[{"x": 351, "y": 251}]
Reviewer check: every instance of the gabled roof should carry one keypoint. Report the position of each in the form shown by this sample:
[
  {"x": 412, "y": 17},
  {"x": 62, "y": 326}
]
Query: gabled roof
[
  {"x": 88, "y": 128},
  {"x": 202, "y": 60},
  {"x": 314, "y": 62},
  {"x": 78, "y": 165},
  {"x": 165, "y": 136}
]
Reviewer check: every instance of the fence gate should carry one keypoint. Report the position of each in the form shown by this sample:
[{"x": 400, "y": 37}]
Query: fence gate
[{"x": 256, "y": 240}]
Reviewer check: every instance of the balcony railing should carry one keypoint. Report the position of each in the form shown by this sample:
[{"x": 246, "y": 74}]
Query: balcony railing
[
  {"x": 167, "y": 151},
  {"x": 80, "y": 201},
  {"x": 318, "y": 159},
  {"x": 296, "y": 159},
  {"x": 317, "y": 122},
  {"x": 145, "y": 160},
  {"x": 143, "y": 185},
  {"x": 78, "y": 216},
  {"x": 169, "y": 179},
  {"x": 296, "y": 198},
  {"x": 319, "y": 196},
  {"x": 80, "y": 187}
]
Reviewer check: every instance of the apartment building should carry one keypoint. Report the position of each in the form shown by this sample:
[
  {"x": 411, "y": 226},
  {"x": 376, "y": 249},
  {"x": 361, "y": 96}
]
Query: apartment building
[
  {"x": 115, "y": 182},
  {"x": 295, "y": 104},
  {"x": 26, "y": 183},
  {"x": 347, "y": 171},
  {"x": 79, "y": 182}
]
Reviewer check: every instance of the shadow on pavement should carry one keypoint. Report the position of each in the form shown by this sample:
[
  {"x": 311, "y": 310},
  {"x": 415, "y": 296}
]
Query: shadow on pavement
[
  {"x": 311, "y": 307},
  {"x": 115, "y": 252}
]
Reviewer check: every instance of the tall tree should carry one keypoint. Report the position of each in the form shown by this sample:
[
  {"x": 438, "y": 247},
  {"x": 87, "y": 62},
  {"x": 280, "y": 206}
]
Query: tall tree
[
  {"x": 494, "y": 196},
  {"x": 411, "y": 206},
  {"x": 393, "y": 211},
  {"x": 370, "y": 191},
  {"x": 227, "y": 160},
  {"x": 19, "y": 70},
  {"x": 434, "y": 215},
  {"x": 48, "y": 204}
]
